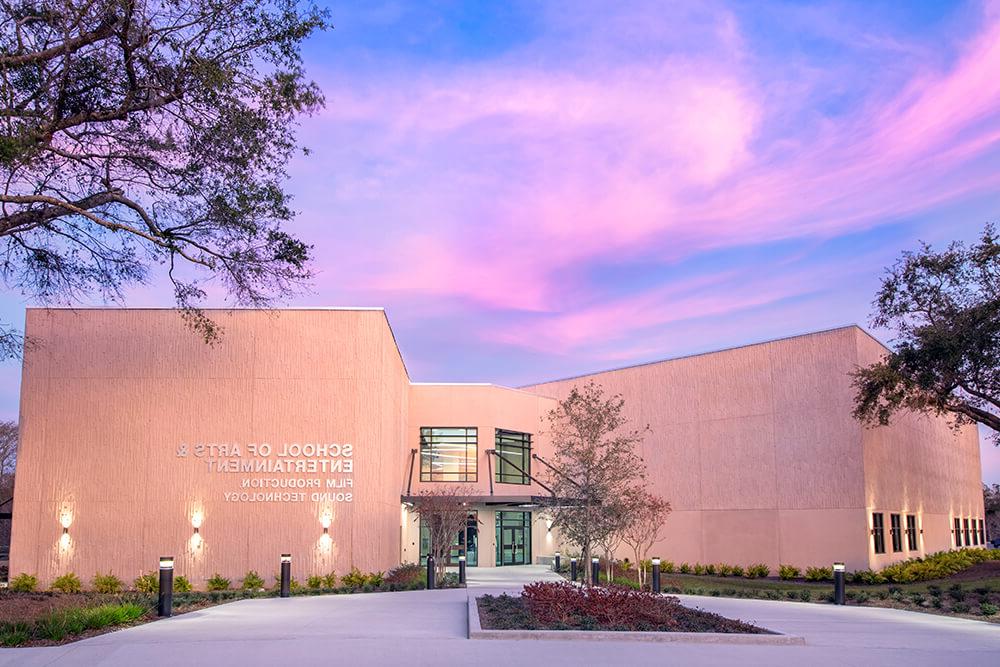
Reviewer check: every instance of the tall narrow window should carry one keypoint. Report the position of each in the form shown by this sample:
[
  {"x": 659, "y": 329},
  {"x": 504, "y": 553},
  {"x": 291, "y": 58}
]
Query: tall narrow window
[
  {"x": 514, "y": 457},
  {"x": 975, "y": 532},
  {"x": 911, "y": 532},
  {"x": 878, "y": 532},
  {"x": 448, "y": 454},
  {"x": 982, "y": 530},
  {"x": 896, "y": 530},
  {"x": 958, "y": 532},
  {"x": 966, "y": 531}
]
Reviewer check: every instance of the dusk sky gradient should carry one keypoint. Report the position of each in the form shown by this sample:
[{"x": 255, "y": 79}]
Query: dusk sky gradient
[{"x": 536, "y": 190}]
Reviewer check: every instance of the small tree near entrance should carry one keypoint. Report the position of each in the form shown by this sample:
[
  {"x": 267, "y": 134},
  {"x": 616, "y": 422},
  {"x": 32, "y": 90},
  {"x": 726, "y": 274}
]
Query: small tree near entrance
[
  {"x": 646, "y": 523},
  {"x": 595, "y": 466},
  {"x": 445, "y": 514}
]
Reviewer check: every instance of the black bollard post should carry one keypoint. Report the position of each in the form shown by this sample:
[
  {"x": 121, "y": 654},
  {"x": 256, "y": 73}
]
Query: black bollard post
[
  {"x": 838, "y": 583},
  {"x": 595, "y": 567},
  {"x": 165, "y": 601},
  {"x": 430, "y": 572},
  {"x": 656, "y": 575},
  {"x": 572, "y": 569},
  {"x": 557, "y": 563},
  {"x": 286, "y": 575},
  {"x": 461, "y": 569}
]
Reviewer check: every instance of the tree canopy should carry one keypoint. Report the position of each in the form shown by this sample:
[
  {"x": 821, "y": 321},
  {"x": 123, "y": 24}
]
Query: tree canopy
[
  {"x": 138, "y": 133},
  {"x": 944, "y": 309}
]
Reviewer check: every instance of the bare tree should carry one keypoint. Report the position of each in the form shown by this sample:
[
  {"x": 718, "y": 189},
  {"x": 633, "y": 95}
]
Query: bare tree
[
  {"x": 8, "y": 459},
  {"x": 647, "y": 521},
  {"x": 150, "y": 133},
  {"x": 594, "y": 466},
  {"x": 445, "y": 514}
]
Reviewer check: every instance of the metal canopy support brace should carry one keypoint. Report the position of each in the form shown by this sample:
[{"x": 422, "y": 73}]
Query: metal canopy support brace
[
  {"x": 558, "y": 472},
  {"x": 409, "y": 479},
  {"x": 521, "y": 470},
  {"x": 489, "y": 468}
]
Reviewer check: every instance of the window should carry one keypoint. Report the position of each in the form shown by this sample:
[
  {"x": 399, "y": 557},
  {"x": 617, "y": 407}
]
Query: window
[
  {"x": 958, "y": 532},
  {"x": 975, "y": 532},
  {"x": 514, "y": 451},
  {"x": 897, "y": 533},
  {"x": 967, "y": 542},
  {"x": 466, "y": 542},
  {"x": 982, "y": 531},
  {"x": 911, "y": 532},
  {"x": 878, "y": 532},
  {"x": 448, "y": 454}
]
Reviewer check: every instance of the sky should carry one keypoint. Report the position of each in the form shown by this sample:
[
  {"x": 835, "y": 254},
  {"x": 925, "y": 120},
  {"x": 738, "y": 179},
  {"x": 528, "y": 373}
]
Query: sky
[{"x": 541, "y": 189}]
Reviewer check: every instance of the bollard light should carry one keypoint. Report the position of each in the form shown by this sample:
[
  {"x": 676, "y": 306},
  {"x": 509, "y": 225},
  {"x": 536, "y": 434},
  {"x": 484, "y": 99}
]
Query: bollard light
[
  {"x": 557, "y": 563},
  {"x": 165, "y": 600},
  {"x": 656, "y": 575},
  {"x": 430, "y": 572},
  {"x": 595, "y": 570},
  {"x": 461, "y": 569},
  {"x": 572, "y": 569},
  {"x": 838, "y": 583},
  {"x": 286, "y": 575}
]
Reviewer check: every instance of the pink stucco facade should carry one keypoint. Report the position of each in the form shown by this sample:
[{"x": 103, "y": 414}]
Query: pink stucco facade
[{"x": 300, "y": 432}]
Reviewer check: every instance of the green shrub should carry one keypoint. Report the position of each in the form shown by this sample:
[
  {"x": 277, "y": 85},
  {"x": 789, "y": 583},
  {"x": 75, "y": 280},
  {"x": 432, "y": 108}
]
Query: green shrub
[
  {"x": 59, "y": 624},
  {"x": 710, "y": 569},
  {"x": 819, "y": 573},
  {"x": 960, "y": 608},
  {"x": 354, "y": 579},
  {"x": 24, "y": 583},
  {"x": 217, "y": 583},
  {"x": 867, "y": 577},
  {"x": 147, "y": 583},
  {"x": 988, "y": 608},
  {"x": 698, "y": 569},
  {"x": 251, "y": 582},
  {"x": 938, "y": 565},
  {"x": 182, "y": 585},
  {"x": 738, "y": 570},
  {"x": 376, "y": 579},
  {"x": 757, "y": 570},
  {"x": 723, "y": 570},
  {"x": 67, "y": 583},
  {"x": 329, "y": 580},
  {"x": 685, "y": 568},
  {"x": 314, "y": 581},
  {"x": 107, "y": 583},
  {"x": 787, "y": 572},
  {"x": 862, "y": 597},
  {"x": 805, "y": 595}
]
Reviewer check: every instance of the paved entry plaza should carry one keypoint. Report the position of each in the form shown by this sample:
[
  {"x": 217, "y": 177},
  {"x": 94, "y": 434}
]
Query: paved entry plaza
[{"x": 429, "y": 628}]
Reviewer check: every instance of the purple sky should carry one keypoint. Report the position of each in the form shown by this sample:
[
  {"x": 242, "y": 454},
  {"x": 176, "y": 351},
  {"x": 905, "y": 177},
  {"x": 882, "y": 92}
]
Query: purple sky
[{"x": 536, "y": 190}]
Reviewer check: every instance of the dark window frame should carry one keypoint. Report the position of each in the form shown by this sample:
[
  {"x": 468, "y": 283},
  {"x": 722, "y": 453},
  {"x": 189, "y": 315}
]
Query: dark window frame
[
  {"x": 958, "y": 531},
  {"x": 896, "y": 532},
  {"x": 982, "y": 531},
  {"x": 911, "y": 533},
  {"x": 878, "y": 532},
  {"x": 968, "y": 542},
  {"x": 505, "y": 441},
  {"x": 429, "y": 439}
]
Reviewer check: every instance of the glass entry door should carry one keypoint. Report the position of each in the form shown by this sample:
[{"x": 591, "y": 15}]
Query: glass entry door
[{"x": 513, "y": 538}]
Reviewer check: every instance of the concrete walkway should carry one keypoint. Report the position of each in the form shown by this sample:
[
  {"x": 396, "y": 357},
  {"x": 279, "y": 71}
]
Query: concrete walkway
[{"x": 429, "y": 628}]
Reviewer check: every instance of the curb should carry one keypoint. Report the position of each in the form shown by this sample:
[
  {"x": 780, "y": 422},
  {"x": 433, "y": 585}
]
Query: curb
[{"x": 476, "y": 631}]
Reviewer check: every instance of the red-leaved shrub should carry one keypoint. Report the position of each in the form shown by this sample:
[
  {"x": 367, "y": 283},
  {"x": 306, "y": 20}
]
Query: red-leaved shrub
[{"x": 612, "y": 606}]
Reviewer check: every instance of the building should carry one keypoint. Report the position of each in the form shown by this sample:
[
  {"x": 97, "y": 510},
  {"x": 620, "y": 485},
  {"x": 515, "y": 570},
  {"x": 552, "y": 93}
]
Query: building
[{"x": 302, "y": 432}]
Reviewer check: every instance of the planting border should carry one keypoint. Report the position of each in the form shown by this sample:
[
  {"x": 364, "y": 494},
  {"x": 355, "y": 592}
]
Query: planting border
[{"x": 476, "y": 631}]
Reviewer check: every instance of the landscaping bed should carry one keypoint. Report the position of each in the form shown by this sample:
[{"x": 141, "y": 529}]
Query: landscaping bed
[{"x": 563, "y": 606}]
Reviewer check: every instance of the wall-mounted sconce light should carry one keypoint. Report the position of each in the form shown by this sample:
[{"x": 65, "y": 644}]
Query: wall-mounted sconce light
[{"x": 548, "y": 525}]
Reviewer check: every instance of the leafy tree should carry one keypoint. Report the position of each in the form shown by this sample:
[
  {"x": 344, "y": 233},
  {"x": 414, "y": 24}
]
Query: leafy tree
[
  {"x": 944, "y": 308},
  {"x": 595, "y": 466},
  {"x": 991, "y": 503},
  {"x": 444, "y": 514},
  {"x": 139, "y": 133},
  {"x": 647, "y": 520}
]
